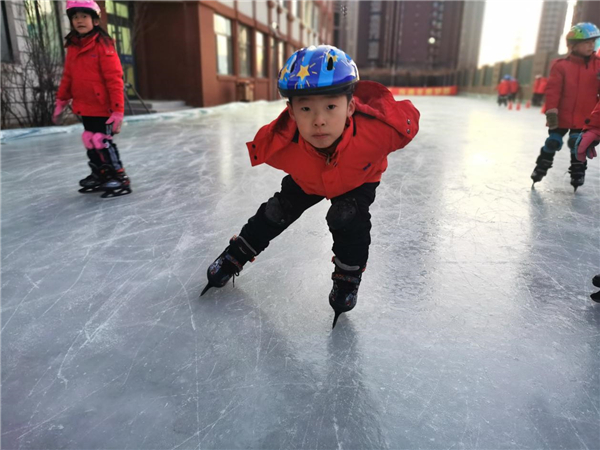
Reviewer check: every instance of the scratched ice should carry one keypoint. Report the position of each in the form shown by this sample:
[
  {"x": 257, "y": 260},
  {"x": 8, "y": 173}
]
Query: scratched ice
[{"x": 473, "y": 330}]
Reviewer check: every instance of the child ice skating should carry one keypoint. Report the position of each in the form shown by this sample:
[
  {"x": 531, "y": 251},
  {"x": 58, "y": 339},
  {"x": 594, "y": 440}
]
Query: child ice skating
[
  {"x": 539, "y": 87},
  {"x": 332, "y": 140},
  {"x": 571, "y": 94},
  {"x": 503, "y": 89},
  {"x": 93, "y": 80}
]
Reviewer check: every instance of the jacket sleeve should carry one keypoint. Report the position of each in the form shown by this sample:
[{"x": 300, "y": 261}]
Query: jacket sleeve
[
  {"x": 64, "y": 90},
  {"x": 112, "y": 72},
  {"x": 555, "y": 86},
  {"x": 594, "y": 120}
]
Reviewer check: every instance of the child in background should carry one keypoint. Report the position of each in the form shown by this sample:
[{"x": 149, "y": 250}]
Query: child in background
[
  {"x": 333, "y": 140},
  {"x": 503, "y": 89},
  {"x": 539, "y": 87},
  {"x": 571, "y": 95},
  {"x": 93, "y": 79}
]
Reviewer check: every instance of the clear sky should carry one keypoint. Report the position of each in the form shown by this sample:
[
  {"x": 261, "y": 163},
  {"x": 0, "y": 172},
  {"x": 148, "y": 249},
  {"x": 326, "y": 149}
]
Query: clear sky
[{"x": 510, "y": 29}]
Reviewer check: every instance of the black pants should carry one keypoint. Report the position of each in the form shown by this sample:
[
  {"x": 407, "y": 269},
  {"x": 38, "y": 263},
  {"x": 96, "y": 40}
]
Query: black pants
[
  {"x": 96, "y": 124},
  {"x": 348, "y": 218},
  {"x": 536, "y": 100}
]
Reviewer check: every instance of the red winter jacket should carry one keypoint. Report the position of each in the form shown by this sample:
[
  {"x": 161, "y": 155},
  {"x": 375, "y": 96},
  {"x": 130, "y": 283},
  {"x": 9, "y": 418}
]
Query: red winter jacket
[
  {"x": 539, "y": 85},
  {"x": 92, "y": 77},
  {"x": 504, "y": 87},
  {"x": 573, "y": 88},
  {"x": 379, "y": 126},
  {"x": 514, "y": 86},
  {"x": 594, "y": 120}
]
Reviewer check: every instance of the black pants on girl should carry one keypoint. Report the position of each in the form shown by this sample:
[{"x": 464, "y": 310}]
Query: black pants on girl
[{"x": 348, "y": 218}]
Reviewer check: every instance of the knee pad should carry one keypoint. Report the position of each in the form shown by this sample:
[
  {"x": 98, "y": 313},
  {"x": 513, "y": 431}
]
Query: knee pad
[
  {"x": 572, "y": 140},
  {"x": 553, "y": 143},
  {"x": 342, "y": 213},
  {"x": 87, "y": 138},
  {"x": 275, "y": 212},
  {"x": 100, "y": 140}
]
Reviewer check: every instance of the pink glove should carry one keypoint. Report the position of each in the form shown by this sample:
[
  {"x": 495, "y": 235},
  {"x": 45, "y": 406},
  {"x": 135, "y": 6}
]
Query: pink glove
[
  {"x": 586, "y": 144},
  {"x": 116, "y": 119},
  {"x": 58, "y": 109}
]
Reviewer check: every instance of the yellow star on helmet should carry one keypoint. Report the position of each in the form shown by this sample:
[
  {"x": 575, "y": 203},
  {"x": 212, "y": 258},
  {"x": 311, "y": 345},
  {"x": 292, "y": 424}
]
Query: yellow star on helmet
[
  {"x": 283, "y": 72},
  {"x": 303, "y": 72}
]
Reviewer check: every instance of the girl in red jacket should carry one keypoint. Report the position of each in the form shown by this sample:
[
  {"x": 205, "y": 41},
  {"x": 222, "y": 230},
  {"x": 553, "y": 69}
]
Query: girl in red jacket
[
  {"x": 333, "y": 140},
  {"x": 571, "y": 94},
  {"x": 93, "y": 80}
]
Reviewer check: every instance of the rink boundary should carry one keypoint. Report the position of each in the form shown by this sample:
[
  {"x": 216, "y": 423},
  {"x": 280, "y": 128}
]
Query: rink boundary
[{"x": 24, "y": 133}]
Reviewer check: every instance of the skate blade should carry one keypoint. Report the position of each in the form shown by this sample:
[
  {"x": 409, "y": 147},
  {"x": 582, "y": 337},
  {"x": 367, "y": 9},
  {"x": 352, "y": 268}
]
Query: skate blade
[
  {"x": 206, "y": 288},
  {"x": 89, "y": 190},
  {"x": 110, "y": 193},
  {"x": 335, "y": 319}
]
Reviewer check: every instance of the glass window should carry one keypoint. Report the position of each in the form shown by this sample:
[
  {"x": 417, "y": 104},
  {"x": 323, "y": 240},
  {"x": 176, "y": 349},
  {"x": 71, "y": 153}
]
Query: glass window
[
  {"x": 43, "y": 26},
  {"x": 224, "y": 48},
  {"x": 294, "y": 7},
  {"x": 260, "y": 55},
  {"x": 109, "y": 6},
  {"x": 122, "y": 10},
  {"x": 244, "y": 51},
  {"x": 307, "y": 12},
  {"x": 7, "y": 55},
  {"x": 125, "y": 41}
]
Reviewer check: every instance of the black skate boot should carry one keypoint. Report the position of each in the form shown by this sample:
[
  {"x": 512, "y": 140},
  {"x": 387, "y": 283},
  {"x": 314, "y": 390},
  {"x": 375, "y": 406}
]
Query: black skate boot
[
  {"x": 344, "y": 293},
  {"x": 577, "y": 171},
  {"x": 596, "y": 295},
  {"x": 229, "y": 263},
  {"x": 93, "y": 181},
  {"x": 542, "y": 164},
  {"x": 116, "y": 182}
]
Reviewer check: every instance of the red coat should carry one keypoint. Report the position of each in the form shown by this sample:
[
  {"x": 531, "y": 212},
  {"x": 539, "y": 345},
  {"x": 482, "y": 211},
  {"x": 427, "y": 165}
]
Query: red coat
[
  {"x": 573, "y": 88},
  {"x": 514, "y": 86},
  {"x": 594, "y": 119},
  {"x": 504, "y": 87},
  {"x": 379, "y": 126},
  {"x": 539, "y": 85},
  {"x": 93, "y": 78}
]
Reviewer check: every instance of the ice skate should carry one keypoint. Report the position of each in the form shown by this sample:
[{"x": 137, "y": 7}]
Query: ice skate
[
  {"x": 229, "y": 264},
  {"x": 344, "y": 293},
  {"x": 93, "y": 181},
  {"x": 542, "y": 164},
  {"x": 117, "y": 182},
  {"x": 577, "y": 171}
]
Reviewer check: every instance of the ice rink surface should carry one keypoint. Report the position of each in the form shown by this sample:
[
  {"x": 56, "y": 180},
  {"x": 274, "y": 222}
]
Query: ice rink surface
[{"x": 473, "y": 330}]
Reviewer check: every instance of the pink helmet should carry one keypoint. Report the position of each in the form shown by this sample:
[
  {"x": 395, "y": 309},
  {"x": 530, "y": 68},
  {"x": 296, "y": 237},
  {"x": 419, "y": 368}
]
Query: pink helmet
[{"x": 91, "y": 6}]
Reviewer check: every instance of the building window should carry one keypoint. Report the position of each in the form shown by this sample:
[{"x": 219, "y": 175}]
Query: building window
[
  {"x": 244, "y": 51},
  {"x": 261, "y": 61},
  {"x": 224, "y": 48},
  {"x": 43, "y": 27},
  {"x": 308, "y": 11},
  {"x": 7, "y": 54},
  {"x": 295, "y": 7}
]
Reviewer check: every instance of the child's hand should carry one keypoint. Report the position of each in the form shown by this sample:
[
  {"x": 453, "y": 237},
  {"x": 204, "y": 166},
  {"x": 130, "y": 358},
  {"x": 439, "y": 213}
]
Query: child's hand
[
  {"x": 552, "y": 119},
  {"x": 58, "y": 109},
  {"x": 116, "y": 119},
  {"x": 586, "y": 144}
]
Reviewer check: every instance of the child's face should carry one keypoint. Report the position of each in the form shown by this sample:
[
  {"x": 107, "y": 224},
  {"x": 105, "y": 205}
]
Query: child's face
[
  {"x": 585, "y": 48},
  {"x": 321, "y": 119},
  {"x": 83, "y": 23}
]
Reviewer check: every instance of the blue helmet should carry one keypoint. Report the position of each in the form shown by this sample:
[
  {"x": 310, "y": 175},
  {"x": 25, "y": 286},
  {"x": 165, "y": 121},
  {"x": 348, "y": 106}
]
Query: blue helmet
[
  {"x": 319, "y": 70},
  {"x": 507, "y": 77}
]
